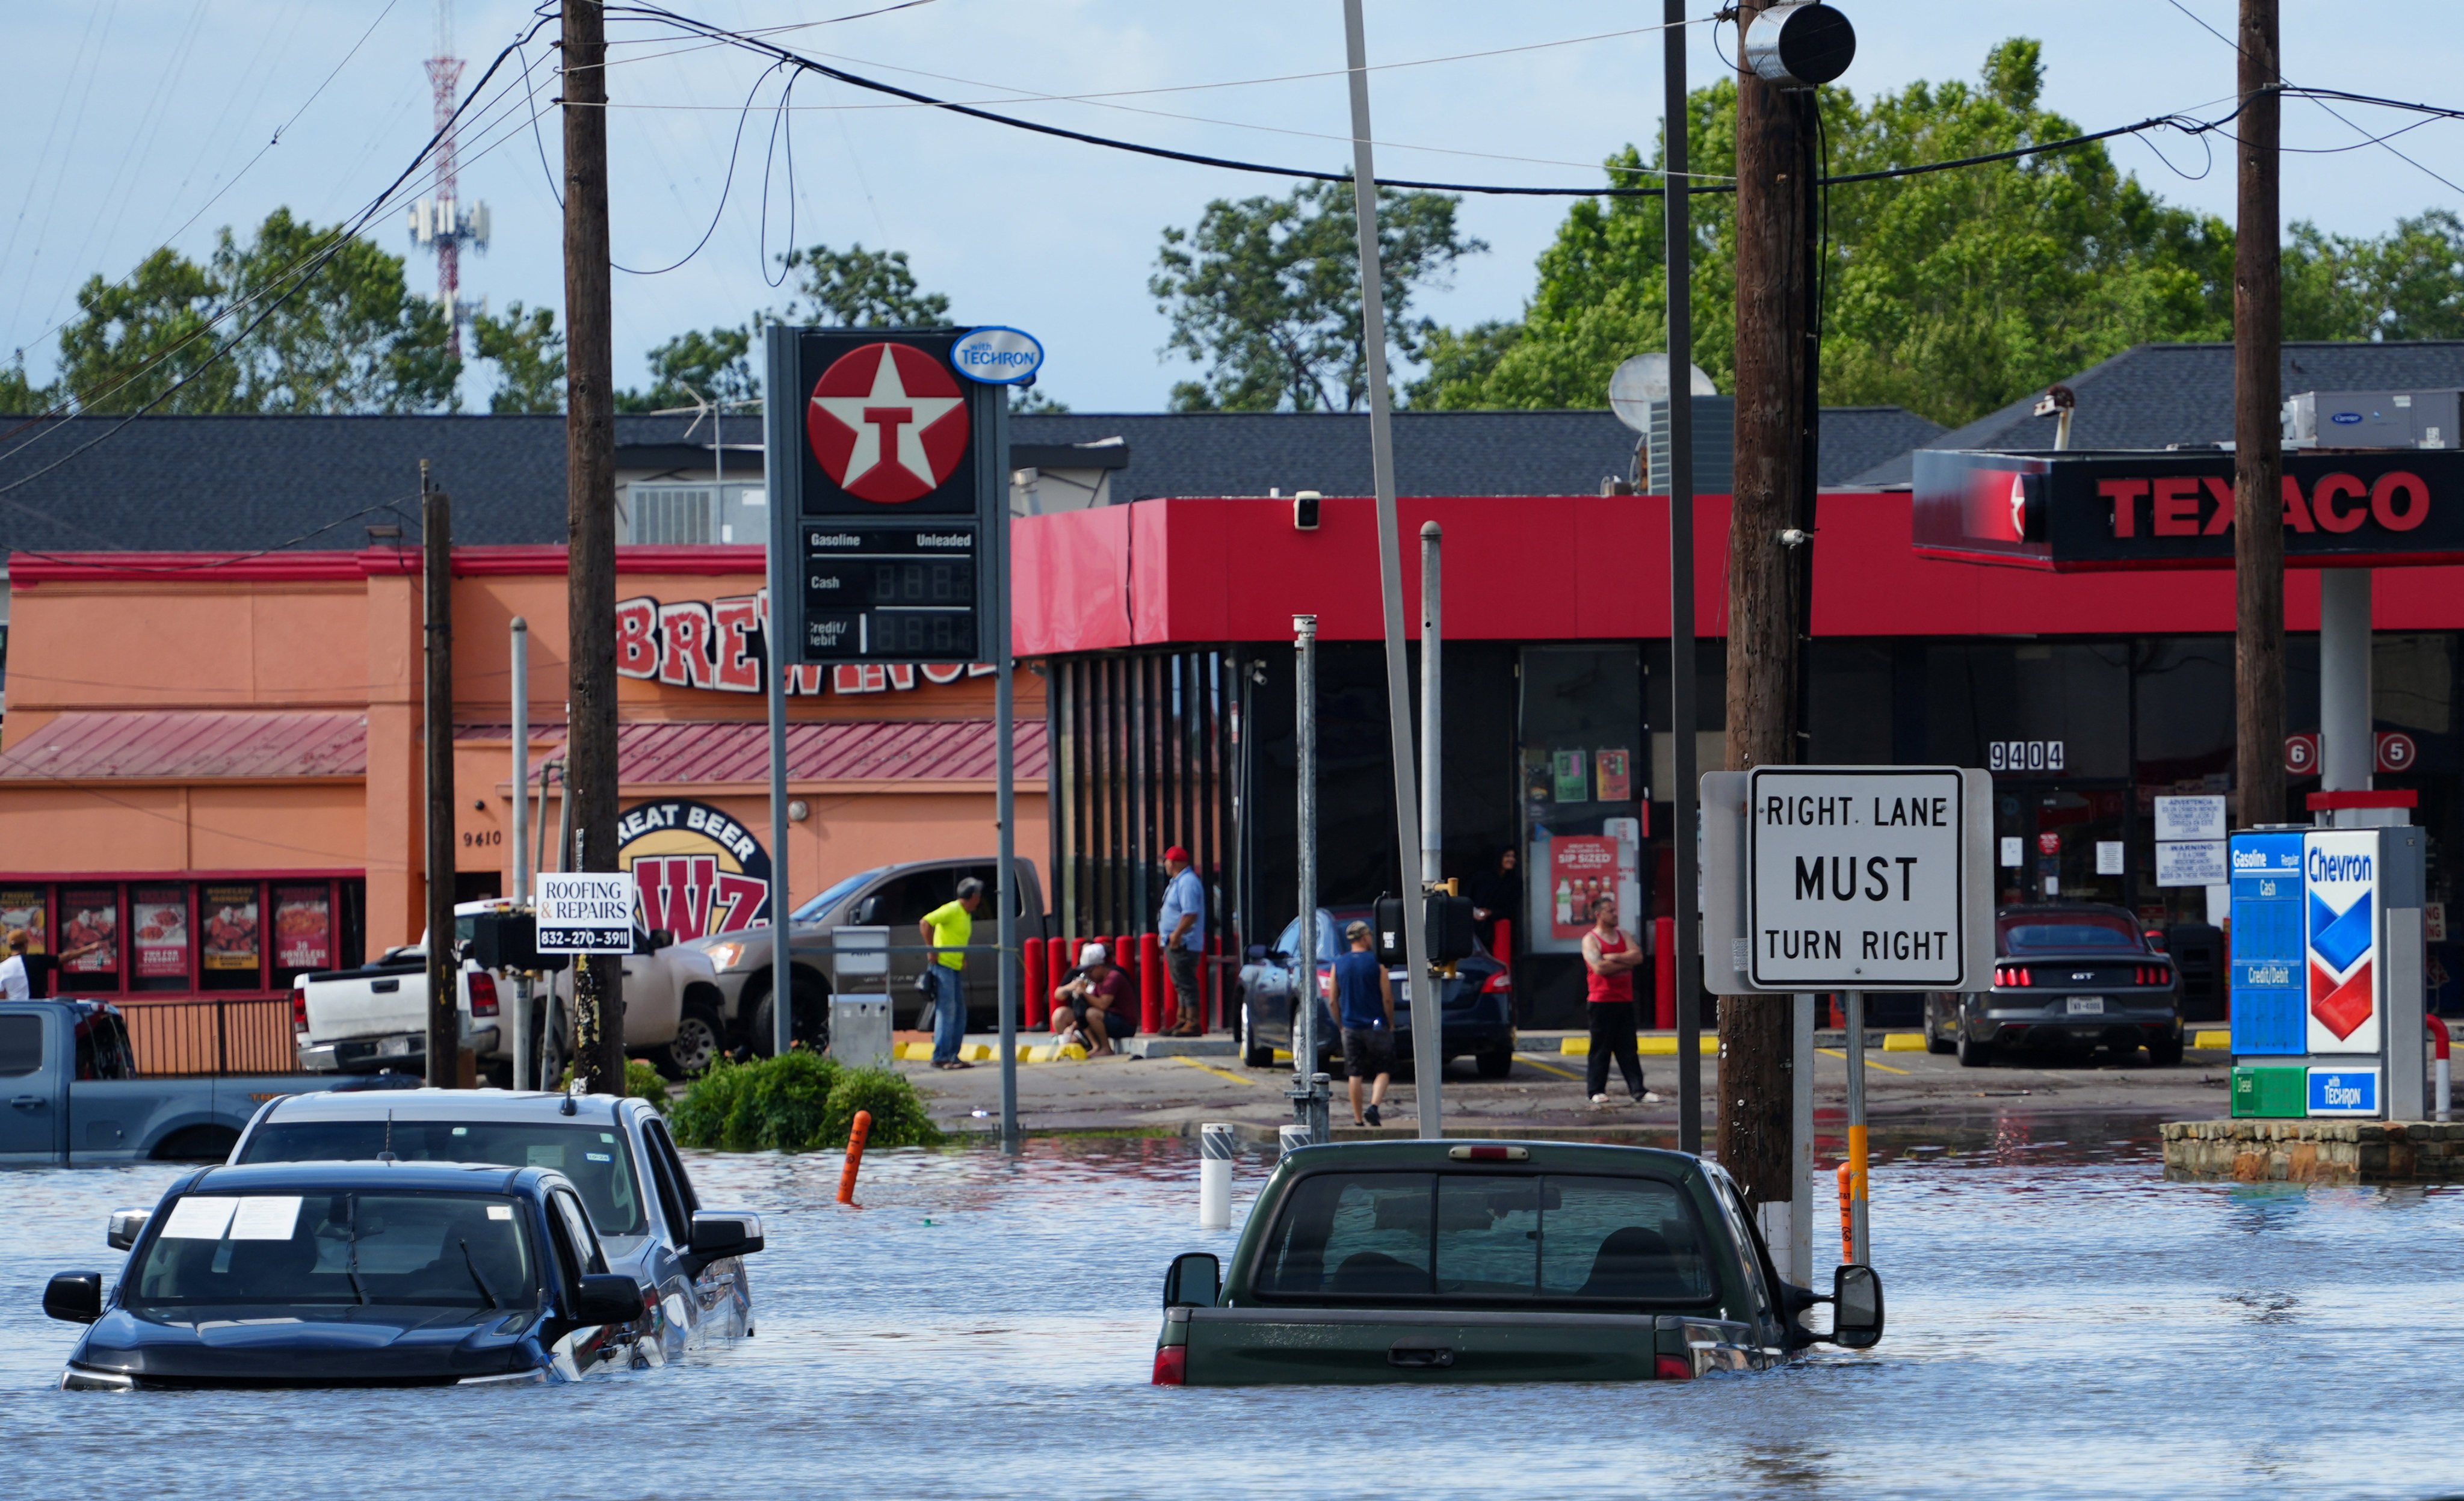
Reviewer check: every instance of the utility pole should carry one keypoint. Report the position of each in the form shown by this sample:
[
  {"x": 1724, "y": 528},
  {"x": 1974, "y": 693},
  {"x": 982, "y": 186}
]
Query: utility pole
[
  {"x": 1425, "y": 1081},
  {"x": 1683, "y": 716},
  {"x": 2259, "y": 434},
  {"x": 590, "y": 520},
  {"x": 518, "y": 641},
  {"x": 1428, "y": 1057},
  {"x": 444, "y": 964},
  {"x": 1768, "y": 530},
  {"x": 1308, "y": 1090}
]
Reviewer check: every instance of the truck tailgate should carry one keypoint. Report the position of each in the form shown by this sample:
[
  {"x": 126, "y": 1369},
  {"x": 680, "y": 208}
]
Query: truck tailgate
[
  {"x": 1246, "y": 1346},
  {"x": 366, "y": 1004}
]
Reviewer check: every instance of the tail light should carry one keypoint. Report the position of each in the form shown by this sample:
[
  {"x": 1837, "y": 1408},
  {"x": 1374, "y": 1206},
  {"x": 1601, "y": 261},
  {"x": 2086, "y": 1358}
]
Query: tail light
[
  {"x": 1501, "y": 983},
  {"x": 483, "y": 994},
  {"x": 1673, "y": 1368},
  {"x": 2010, "y": 975},
  {"x": 2151, "y": 975},
  {"x": 299, "y": 1011},
  {"x": 1172, "y": 1365},
  {"x": 1326, "y": 984}
]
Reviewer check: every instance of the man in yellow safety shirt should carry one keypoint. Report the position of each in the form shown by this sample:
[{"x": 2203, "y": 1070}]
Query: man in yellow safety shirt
[{"x": 947, "y": 928}]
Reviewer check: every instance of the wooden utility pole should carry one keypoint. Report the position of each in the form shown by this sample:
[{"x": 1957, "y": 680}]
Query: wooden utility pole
[
  {"x": 436, "y": 732},
  {"x": 2259, "y": 434},
  {"x": 590, "y": 521},
  {"x": 1770, "y": 543}
]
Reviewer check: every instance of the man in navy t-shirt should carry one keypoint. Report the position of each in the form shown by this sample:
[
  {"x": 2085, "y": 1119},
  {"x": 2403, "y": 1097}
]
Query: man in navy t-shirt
[{"x": 1364, "y": 1001}]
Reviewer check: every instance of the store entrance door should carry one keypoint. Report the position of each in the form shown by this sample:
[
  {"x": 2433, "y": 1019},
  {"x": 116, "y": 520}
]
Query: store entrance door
[{"x": 2072, "y": 842}]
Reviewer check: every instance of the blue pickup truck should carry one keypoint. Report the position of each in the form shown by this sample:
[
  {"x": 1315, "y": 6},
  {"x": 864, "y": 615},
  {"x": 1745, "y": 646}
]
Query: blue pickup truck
[{"x": 72, "y": 1095}]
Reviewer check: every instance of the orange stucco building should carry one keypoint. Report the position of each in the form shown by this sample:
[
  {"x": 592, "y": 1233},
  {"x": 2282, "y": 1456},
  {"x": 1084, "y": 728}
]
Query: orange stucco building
[{"x": 210, "y": 768}]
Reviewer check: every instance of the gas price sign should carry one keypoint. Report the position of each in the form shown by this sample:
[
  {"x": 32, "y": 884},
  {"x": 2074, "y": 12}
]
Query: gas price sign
[
  {"x": 893, "y": 489},
  {"x": 1863, "y": 879}
]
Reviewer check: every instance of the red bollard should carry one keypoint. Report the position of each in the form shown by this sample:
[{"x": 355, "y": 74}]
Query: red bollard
[
  {"x": 1151, "y": 986},
  {"x": 1038, "y": 985},
  {"x": 1664, "y": 973},
  {"x": 1847, "y": 1213},
  {"x": 858, "y": 1129}
]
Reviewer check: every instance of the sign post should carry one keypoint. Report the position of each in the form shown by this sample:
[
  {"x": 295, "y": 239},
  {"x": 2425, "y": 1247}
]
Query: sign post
[
  {"x": 889, "y": 454},
  {"x": 1846, "y": 879}
]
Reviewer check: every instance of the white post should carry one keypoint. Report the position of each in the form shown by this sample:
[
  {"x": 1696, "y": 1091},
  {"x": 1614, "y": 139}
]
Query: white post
[
  {"x": 1215, "y": 1176},
  {"x": 1800, "y": 1230},
  {"x": 521, "y": 737}
]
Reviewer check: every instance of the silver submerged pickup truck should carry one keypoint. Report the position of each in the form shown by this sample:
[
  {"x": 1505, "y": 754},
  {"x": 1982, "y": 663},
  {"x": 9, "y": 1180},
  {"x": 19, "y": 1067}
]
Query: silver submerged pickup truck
[{"x": 69, "y": 1078}]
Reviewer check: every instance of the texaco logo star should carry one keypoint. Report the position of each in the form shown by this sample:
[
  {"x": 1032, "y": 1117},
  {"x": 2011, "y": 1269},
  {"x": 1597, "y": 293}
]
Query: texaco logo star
[{"x": 887, "y": 423}]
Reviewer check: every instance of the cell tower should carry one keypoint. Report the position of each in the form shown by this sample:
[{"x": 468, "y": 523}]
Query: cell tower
[{"x": 443, "y": 221}]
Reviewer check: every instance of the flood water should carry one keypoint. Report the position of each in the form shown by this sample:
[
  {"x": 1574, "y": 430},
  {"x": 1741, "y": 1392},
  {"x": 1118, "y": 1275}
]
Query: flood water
[{"x": 2062, "y": 1322}]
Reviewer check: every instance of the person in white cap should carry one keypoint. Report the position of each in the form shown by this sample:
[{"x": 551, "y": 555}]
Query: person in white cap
[{"x": 1094, "y": 1003}]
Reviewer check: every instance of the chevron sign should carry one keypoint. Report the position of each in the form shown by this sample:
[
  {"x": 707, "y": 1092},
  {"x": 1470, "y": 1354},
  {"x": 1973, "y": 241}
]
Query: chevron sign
[{"x": 2341, "y": 926}]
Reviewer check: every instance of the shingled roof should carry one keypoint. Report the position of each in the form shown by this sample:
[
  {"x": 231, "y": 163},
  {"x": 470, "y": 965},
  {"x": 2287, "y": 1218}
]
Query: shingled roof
[
  {"x": 2153, "y": 396},
  {"x": 246, "y": 482}
]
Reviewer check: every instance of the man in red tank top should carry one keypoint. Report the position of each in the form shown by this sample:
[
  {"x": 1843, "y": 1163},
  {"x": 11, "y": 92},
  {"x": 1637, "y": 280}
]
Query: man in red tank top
[{"x": 1612, "y": 956}]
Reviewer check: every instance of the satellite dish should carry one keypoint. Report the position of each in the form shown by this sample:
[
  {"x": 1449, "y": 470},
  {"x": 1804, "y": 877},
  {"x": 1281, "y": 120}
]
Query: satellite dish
[{"x": 1642, "y": 380}]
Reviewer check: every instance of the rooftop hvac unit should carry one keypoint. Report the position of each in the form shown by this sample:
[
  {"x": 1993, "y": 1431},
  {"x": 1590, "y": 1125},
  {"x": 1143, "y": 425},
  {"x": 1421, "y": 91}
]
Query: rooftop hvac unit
[{"x": 2372, "y": 420}]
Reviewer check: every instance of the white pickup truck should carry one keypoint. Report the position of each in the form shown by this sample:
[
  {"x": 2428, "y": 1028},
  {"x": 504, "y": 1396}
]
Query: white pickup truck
[{"x": 359, "y": 1021}]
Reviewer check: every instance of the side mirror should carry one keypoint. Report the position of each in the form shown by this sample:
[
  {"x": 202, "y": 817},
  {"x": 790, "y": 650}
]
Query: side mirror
[
  {"x": 717, "y": 1234},
  {"x": 1195, "y": 1280},
  {"x": 1855, "y": 1308},
  {"x": 662, "y": 938},
  {"x": 124, "y": 1227},
  {"x": 1257, "y": 951},
  {"x": 75, "y": 1297},
  {"x": 862, "y": 916},
  {"x": 609, "y": 1297}
]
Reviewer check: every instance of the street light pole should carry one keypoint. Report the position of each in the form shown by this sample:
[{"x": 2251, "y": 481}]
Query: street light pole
[
  {"x": 1425, "y": 1039},
  {"x": 1308, "y": 1092},
  {"x": 1682, "y": 714}
]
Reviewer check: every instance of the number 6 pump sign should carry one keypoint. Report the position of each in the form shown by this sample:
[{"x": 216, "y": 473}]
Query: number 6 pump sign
[{"x": 2346, "y": 976}]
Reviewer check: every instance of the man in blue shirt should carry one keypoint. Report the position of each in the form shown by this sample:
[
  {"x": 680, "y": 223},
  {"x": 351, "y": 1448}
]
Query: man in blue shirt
[
  {"x": 1182, "y": 923},
  {"x": 1364, "y": 1001}
]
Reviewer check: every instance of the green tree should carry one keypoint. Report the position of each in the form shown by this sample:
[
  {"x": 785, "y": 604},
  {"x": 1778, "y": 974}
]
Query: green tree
[
  {"x": 1265, "y": 293},
  {"x": 319, "y": 328},
  {"x": 2408, "y": 284},
  {"x": 1950, "y": 292},
  {"x": 529, "y": 356},
  {"x": 857, "y": 288},
  {"x": 20, "y": 395},
  {"x": 695, "y": 367}
]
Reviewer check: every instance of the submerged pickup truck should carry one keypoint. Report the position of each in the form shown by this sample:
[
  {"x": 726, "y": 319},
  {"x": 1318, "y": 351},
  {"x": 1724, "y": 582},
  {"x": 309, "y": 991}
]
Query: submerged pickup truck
[
  {"x": 74, "y": 1098},
  {"x": 1493, "y": 1261}
]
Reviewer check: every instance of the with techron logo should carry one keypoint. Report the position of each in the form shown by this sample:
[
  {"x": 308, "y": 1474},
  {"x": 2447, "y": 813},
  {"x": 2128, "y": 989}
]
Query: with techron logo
[{"x": 2324, "y": 866}]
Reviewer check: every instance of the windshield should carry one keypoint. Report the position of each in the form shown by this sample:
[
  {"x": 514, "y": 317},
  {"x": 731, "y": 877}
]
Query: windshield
[
  {"x": 2022, "y": 932},
  {"x": 430, "y": 1249},
  {"x": 1379, "y": 1237},
  {"x": 598, "y": 1160},
  {"x": 819, "y": 907},
  {"x": 1289, "y": 941}
]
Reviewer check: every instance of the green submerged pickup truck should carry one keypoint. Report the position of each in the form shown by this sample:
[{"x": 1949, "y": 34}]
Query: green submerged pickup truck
[{"x": 1494, "y": 1261}]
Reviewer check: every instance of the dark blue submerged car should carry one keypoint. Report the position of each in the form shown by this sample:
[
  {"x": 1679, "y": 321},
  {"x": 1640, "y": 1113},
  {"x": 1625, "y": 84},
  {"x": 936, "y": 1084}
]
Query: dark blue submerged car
[{"x": 355, "y": 1275}]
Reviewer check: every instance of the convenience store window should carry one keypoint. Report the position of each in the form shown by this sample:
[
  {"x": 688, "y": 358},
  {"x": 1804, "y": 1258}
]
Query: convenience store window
[{"x": 173, "y": 937}]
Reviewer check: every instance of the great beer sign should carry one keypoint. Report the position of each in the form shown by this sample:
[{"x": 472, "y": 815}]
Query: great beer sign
[{"x": 2085, "y": 513}]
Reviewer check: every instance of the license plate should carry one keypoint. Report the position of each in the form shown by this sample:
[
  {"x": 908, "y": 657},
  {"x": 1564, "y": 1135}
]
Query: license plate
[
  {"x": 2087, "y": 1005},
  {"x": 392, "y": 1047}
]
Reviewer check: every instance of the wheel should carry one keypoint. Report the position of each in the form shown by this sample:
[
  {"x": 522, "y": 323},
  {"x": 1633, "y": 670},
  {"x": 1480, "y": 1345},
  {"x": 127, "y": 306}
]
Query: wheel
[
  {"x": 2165, "y": 1052},
  {"x": 1494, "y": 1065},
  {"x": 810, "y": 1025},
  {"x": 498, "y": 1075},
  {"x": 1938, "y": 1045},
  {"x": 1974, "y": 1055},
  {"x": 699, "y": 1042}
]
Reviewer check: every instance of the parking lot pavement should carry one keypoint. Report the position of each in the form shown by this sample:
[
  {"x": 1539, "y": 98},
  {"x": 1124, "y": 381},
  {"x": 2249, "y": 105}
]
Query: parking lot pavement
[{"x": 1912, "y": 1093}]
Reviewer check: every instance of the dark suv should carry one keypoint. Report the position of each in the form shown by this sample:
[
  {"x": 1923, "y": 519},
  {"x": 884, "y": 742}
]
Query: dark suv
[{"x": 2070, "y": 976}]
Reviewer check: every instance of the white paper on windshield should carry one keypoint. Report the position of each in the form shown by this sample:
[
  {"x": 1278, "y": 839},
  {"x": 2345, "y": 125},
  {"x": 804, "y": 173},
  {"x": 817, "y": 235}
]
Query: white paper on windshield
[
  {"x": 266, "y": 1216},
  {"x": 196, "y": 1218},
  {"x": 501, "y": 1211}
]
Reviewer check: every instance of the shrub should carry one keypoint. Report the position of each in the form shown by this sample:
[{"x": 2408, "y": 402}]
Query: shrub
[
  {"x": 898, "y": 1115},
  {"x": 801, "y": 1103}
]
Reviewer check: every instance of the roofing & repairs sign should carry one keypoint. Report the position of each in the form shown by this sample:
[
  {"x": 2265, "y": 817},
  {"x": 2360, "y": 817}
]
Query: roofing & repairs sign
[
  {"x": 585, "y": 912},
  {"x": 1847, "y": 879}
]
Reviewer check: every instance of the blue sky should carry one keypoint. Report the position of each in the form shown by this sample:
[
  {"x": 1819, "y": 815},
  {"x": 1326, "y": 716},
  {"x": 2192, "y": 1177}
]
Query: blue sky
[{"x": 130, "y": 116}]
